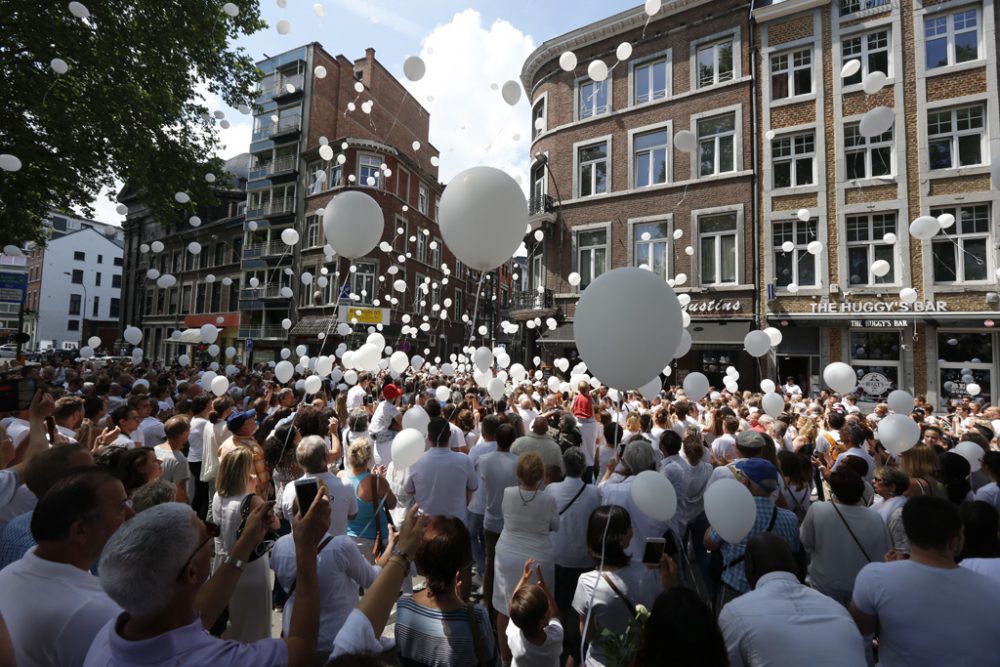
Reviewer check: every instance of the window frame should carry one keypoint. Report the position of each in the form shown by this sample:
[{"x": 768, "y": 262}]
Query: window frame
[
  {"x": 735, "y": 133},
  {"x": 634, "y": 155},
  {"x": 635, "y": 258},
  {"x": 868, "y": 146},
  {"x": 954, "y": 135},
  {"x": 716, "y": 236},
  {"x": 955, "y": 235},
  {"x": 423, "y": 197},
  {"x": 365, "y": 163},
  {"x": 788, "y": 58},
  {"x": 595, "y": 110},
  {"x": 649, "y": 62},
  {"x": 793, "y": 159},
  {"x": 365, "y": 278},
  {"x": 578, "y": 251},
  {"x": 578, "y": 166},
  {"x": 541, "y": 102},
  {"x": 799, "y": 251},
  {"x": 950, "y": 34},
  {"x": 873, "y": 281},
  {"x": 731, "y": 37},
  {"x": 866, "y": 52}
]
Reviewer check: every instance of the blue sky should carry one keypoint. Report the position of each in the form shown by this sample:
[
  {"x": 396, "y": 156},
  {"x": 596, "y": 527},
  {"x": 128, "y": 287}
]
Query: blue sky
[{"x": 470, "y": 48}]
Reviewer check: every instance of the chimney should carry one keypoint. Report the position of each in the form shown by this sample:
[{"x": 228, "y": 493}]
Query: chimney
[{"x": 369, "y": 66}]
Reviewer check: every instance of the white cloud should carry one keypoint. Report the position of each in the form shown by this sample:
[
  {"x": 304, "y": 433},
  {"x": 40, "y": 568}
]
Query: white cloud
[
  {"x": 104, "y": 208},
  {"x": 379, "y": 13},
  {"x": 471, "y": 124}
]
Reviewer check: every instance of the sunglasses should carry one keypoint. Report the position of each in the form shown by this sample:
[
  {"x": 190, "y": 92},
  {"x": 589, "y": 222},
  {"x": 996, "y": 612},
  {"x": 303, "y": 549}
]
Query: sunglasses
[{"x": 212, "y": 531}]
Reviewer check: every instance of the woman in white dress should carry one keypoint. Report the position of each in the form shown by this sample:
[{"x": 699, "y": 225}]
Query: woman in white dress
[
  {"x": 250, "y": 604},
  {"x": 529, "y": 515}
]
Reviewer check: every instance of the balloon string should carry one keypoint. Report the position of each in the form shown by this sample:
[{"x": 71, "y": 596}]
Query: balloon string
[{"x": 475, "y": 311}]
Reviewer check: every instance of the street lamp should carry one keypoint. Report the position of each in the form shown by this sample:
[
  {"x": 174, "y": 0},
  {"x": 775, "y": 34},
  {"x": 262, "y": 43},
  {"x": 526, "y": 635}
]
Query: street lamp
[{"x": 83, "y": 306}]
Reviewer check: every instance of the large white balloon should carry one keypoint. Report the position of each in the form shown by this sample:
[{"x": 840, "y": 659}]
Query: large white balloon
[
  {"x": 483, "y": 216},
  {"x": 925, "y": 227},
  {"x": 626, "y": 357},
  {"x": 416, "y": 418},
  {"x": 442, "y": 394},
  {"x": 972, "y": 453},
  {"x": 695, "y": 386},
  {"x": 850, "y": 68},
  {"x": 132, "y": 335},
  {"x": 840, "y": 377},
  {"x": 597, "y": 70},
  {"x": 654, "y": 495},
  {"x": 353, "y": 224},
  {"x": 184, "y": 360},
  {"x": 367, "y": 356},
  {"x": 880, "y": 268},
  {"x": 897, "y": 433},
  {"x": 876, "y": 121},
  {"x": 483, "y": 358},
  {"x": 289, "y": 236},
  {"x": 973, "y": 389},
  {"x": 767, "y": 385},
  {"x": 398, "y": 362},
  {"x": 873, "y": 82},
  {"x": 757, "y": 343},
  {"x": 684, "y": 346},
  {"x": 567, "y": 61},
  {"x": 283, "y": 371},
  {"x": 686, "y": 141},
  {"x": 209, "y": 333},
  {"x": 730, "y": 509},
  {"x": 900, "y": 402},
  {"x": 495, "y": 388},
  {"x": 313, "y": 384},
  {"x": 407, "y": 447},
  {"x": 414, "y": 68},
  {"x": 908, "y": 295},
  {"x": 220, "y": 385},
  {"x": 511, "y": 92},
  {"x": 651, "y": 389},
  {"x": 773, "y": 403}
]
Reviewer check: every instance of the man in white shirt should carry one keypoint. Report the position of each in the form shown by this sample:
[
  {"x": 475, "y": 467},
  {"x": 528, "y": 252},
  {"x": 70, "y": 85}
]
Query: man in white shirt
[
  {"x": 497, "y": 471},
  {"x": 791, "y": 389},
  {"x": 126, "y": 420},
  {"x": 853, "y": 437},
  {"x": 526, "y": 408},
  {"x": 386, "y": 421},
  {"x": 782, "y": 622},
  {"x": 356, "y": 394},
  {"x": 927, "y": 610},
  {"x": 150, "y": 432},
  {"x": 724, "y": 446},
  {"x": 442, "y": 481},
  {"x": 52, "y": 605},
  {"x": 313, "y": 456},
  {"x": 172, "y": 459},
  {"x": 68, "y": 416},
  {"x": 537, "y": 440},
  {"x": 477, "y": 506}
]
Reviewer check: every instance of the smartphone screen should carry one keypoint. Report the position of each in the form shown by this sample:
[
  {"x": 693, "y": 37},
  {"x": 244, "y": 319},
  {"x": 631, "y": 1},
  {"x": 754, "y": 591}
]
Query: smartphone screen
[
  {"x": 306, "y": 491},
  {"x": 653, "y": 551}
]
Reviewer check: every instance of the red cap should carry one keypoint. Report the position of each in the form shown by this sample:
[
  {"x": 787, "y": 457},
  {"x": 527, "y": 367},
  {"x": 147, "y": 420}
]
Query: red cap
[{"x": 391, "y": 391}]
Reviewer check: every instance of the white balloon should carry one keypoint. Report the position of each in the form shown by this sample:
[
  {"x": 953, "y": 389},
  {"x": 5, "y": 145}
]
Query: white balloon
[
  {"x": 900, "y": 402},
  {"x": 9, "y": 162},
  {"x": 407, "y": 447},
  {"x": 908, "y": 295},
  {"x": 650, "y": 390},
  {"x": 353, "y": 223},
  {"x": 414, "y": 68},
  {"x": 283, "y": 371},
  {"x": 840, "y": 377},
  {"x": 165, "y": 281},
  {"x": 326, "y": 153},
  {"x": 880, "y": 267},
  {"x": 686, "y": 141},
  {"x": 213, "y": 350},
  {"x": 775, "y": 335},
  {"x": 132, "y": 335},
  {"x": 182, "y": 197},
  {"x": 814, "y": 247},
  {"x": 972, "y": 453},
  {"x": 623, "y": 357},
  {"x": 194, "y": 221},
  {"x": 59, "y": 66},
  {"x": 925, "y": 227},
  {"x": 398, "y": 362},
  {"x": 194, "y": 248},
  {"x": 684, "y": 345},
  {"x": 757, "y": 343},
  {"x": 157, "y": 246},
  {"x": 286, "y": 292},
  {"x": 283, "y": 27},
  {"x": 86, "y": 352},
  {"x": 289, "y": 236},
  {"x": 767, "y": 385},
  {"x": 897, "y": 433},
  {"x": 231, "y": 10},
  {"x": 483, "y": 215},
  {"x": 624, "y": 51},
  {"x": 79, "y": 10},
  {"x": 730, "y": 509},
  {"x": 946, "y": 220},
  {"x": 876, "y": 121},
  {"x": 399, "y": 285},
  {"x": 483, "y": 358},
  {"x": 313, "y": 384},
  {"x": 495, "y": 388},
  {"x": 209, "y": 333},
  {"x": 773, "y": 403},
  {"x": 652, "y": 7},
  {"x": 320, "y": 72},
  {"x": 567, "y": 61},
  {"x": 230, "y": 352},
  {"x": 416, "y": 418},
  {"x": 207, "y": 378},
  {"x": 184, "y": 360},
  {"x": 597, "y": 70},
  {"x": 654, "y": 495},
  {"x": 889, "y": 237},
  {"x": 695, "y": 386},
  {"x": 850, "y": 68},
  {"x": 511, "y": 92},
  {"x": 803, "y": 214},
  {"x": 787, "y": 246},
  {"x": 137, "y": 355},
  {"x": 574, "y": 279},
  {"x": 873, "y": 82},
  {"x": 220, "y": 385},
  {"x": 973, "y": 389}
]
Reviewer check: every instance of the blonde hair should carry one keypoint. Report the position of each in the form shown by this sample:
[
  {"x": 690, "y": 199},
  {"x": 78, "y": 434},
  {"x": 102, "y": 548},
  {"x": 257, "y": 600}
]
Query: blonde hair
[
  {"x": 632, "y": 422},
  {"x": 808, "y": 429},
  {"x": 234, "y": 471},
  {"x": 359, "y": 453},
  {"x": 919, "y": 461},
  {"x": 530, "y": 469}
]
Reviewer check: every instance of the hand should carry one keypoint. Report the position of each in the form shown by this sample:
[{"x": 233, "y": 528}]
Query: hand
[
  {"x": 106, "y": 436},
  {"x": 526, "y": 575},
  {"x": 42, "y": 405},
  {"x": 309, "y": 530},
  {"x": 411, "y": 532},
  {"x": 668, "y": 571},
  {"x": 892, "y": 555},
  {"x": 256, "y": 527},
  {"x": 334, "y": 424}
]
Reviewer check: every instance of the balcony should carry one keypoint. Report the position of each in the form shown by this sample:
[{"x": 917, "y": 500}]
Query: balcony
[
  {"x": 285, "y": 164},
  {"x": 542, "y": 209},
  {"x": 270, "y": 291},
  {"x": 283, "y": 206},
  {"x": 529, "y": 305},
  {"x": 267, "y": 249},
  {"x": 284, "y": 126},
  {"x": 280, "y": 89},
  {"x": 263, "y": 332}
]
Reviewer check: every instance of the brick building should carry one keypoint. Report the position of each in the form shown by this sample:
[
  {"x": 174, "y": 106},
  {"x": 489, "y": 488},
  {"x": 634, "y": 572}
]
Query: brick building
[
  {"x": 609, "y": 188},
  {"x": 940, "y": 60}
]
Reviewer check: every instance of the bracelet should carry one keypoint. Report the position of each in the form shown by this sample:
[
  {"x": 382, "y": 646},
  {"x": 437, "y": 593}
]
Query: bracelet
[
  {"x": 396, "y": 553},
  {"x": 235, "y": 562}
]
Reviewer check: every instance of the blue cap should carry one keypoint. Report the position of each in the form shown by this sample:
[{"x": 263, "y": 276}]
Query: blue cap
[
  {"x": 759, "y": 471},
  {"x": 238, "y": 419}
]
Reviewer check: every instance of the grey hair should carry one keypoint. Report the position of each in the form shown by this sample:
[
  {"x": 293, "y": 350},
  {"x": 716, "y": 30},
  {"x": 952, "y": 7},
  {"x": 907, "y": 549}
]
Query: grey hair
[
  {"x": 568, "y": 420},
  {"x": 574, "y": 461},
  {"x": 638, "y": 455},
  {"x": 311, "y": 454},
  {"x": 140, "y": 564},
  {"x": 152, "y": 494}
]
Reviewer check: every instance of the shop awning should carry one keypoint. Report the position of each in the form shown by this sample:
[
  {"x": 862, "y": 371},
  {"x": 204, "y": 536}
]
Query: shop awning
[
  {"x": 186, "y": 337},
  {"x": 716, "y": 334},
  {"x": 561, "y": 334},
  {"x": 310, "y": 326}
]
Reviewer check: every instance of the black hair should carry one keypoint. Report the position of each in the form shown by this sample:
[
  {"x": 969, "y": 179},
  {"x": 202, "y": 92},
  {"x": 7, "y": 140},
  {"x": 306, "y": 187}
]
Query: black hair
[
  {"x": 982, "y": 523},
  {"x": 847, "y": 485},
  {"x": 930, "y": 522},
  {"x": 836, "y": 420},
  {"x": 954, "y": 473},
  {"x": 682, "y": 631},
  {"x": 488, "y": 425},
  {"x": 71, "y": 499},
  {"x": 505, "y": 437},
  {"x": 670, "y": 442},
  {"x": 606, "y": 530},
  {"x": 439, "y": 431}
]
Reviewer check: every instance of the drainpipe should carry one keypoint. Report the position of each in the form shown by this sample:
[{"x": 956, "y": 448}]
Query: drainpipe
[{"x": 755, "y": 188}]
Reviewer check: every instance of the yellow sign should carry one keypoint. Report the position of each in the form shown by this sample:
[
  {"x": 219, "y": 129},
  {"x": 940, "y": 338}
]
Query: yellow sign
[{"x": 362, "y": 315}]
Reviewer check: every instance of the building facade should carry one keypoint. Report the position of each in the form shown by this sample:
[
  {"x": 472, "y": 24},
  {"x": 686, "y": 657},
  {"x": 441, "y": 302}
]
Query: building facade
[
  {"x": 610, "y": 187},
  {"x": 926, "y": 324}
]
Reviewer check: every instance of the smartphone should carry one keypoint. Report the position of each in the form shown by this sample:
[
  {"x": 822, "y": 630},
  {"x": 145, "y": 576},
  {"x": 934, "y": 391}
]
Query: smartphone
[
  {"x": 306, "y": 491},
  {"x": 654, "y": 549},
  {"x": 16, "y": 395}
]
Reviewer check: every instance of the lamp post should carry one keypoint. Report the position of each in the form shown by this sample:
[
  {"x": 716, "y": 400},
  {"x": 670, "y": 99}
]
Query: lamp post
[{"x": 83, "y": 306}]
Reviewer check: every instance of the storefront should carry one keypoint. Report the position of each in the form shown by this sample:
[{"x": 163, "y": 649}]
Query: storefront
[
  {"x": 961, "y": 356},
  {"x": 717, "y": 345}
]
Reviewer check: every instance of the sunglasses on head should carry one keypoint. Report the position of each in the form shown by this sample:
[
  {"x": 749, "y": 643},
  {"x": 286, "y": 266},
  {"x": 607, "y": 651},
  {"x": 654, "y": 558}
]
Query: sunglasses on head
[{"x": 212, "y": 530}]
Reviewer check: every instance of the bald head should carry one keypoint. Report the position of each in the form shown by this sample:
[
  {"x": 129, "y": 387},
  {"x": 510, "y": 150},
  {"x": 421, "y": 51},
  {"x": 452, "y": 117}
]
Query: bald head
[
  {"x": 766, "y": 553},
  {"x": 540, "y": 426}
]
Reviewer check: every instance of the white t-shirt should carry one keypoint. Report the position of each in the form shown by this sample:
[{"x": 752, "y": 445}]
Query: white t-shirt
[
  {"x": 724, "y": 447},
  {"x": 153, "y": 432},
  {"x": 343, "y": 502},
  {"x": 52, "y": 610},
  {"x": 457, "y": 439},
  {"x": 196, "y": 439},
  {"x": 497, "y": 471},
  {"x": 356, "y": 398},
  {"x": 527, "y": 654},
  {"x": 478, "y": 503},
  {"x": 912, "y": 601},
  {"x": 439, "y": 481},
  {"x": 382, "y": 418},
  {"x": 989, "y": 567},
  {"x": 570, "y": 541}
]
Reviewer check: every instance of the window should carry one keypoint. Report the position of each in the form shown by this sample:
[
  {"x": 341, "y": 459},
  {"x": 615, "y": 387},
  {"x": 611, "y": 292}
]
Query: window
[
  {"x": 715, "y": 63},
  {"x": 116, "y": 281},
  {"x": 851, "y": 6},
  {"x": 538, "y": 118},
  {"x": 792, "y": 159},
  {"x": 237, "y": 248},
  {"x": 649, "y": 165},
  {"x": 965, "y": 357},
  {"x": 190, "y": 261},
  {"x": 185, "y": 299},
  {"x": 866, "y": 244},
  {"x": 797, "y": 265},
  {"x": 437, "y": 209},
  {"x": 369, "y": 167},
  {"x": 100, "y": 259},
  {"x": 74, "y": 304},
  {"x": 216, "y": 298},
  {"x": 97, "y": 307},
  {"x": 161, "y": 300},
  {"x": 421, "y": 254},
  {"x": 955, "y": 137},
  {"x": 118, "y": 261},
  {"x": 422, "y": 199},
  {"x": 199, "y": 298},
  {"x": 537, "y": 270},
  {"x": 791, "y": 74},
  {"x": 952, "y": 38},
  {"x": 403, "y": 184},
  {"x": 234, "y": 295},
  {"x": 97, "y": 279},
  {"x": 963, "y": 255},
  {"x": 872, "y": 50},
  {"x": 717, "y": 144},
  {"x": 436, "y": 254},
  {"x": 114, "y": 307},
  {"x": 650, "y": 81},
  {"x": 717, "y": 242},
  {"x": 77, "y": 277},
  {"x": 220, "y": 254},
  {"x": 593, "y": 98},
  {"x": 593, "y": 169},
  {"x": 312, "y": 231},
  {"x": 177, "y": 258},
  {"x": 79, "y": 256},
  {"x": 875, "y": 352},
  {"x": 867, "y": 157},
  {"x": 457, "y": 302},
  {"x": 592, "y": 255},
  {"x": 538, "y": 185},
  {"x": 651, "y": 247},
  {"x": 73, "y": 325}
]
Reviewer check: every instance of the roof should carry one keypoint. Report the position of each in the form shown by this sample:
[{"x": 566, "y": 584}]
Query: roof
[
  {"x": 107, "y": 237},
  {"x": 311, "y": 325}
]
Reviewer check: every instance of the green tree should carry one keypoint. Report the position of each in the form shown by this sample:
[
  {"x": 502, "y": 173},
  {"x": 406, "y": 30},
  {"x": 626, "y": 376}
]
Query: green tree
[{"x": 126, "y": 108}]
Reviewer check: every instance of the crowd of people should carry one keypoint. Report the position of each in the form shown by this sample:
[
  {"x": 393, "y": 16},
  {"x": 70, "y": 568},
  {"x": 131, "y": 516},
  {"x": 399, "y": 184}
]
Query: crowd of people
[{"x": 145, "y": 520}]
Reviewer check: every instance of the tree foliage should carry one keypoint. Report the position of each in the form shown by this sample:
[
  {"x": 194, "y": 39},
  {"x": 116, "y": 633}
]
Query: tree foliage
[{"x": 126, "y": 109}]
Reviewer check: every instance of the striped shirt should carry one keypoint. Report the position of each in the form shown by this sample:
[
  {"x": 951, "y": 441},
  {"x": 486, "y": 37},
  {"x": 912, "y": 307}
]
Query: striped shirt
[
  {"x": 434, "y": 638},
  {"x": 786, "y": 526}
]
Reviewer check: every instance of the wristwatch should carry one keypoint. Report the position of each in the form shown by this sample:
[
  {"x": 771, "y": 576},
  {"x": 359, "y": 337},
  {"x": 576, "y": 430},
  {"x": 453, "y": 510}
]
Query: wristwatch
[
  {"x": 396, "y": 551},
  {"x": 235, "y": 562}
]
